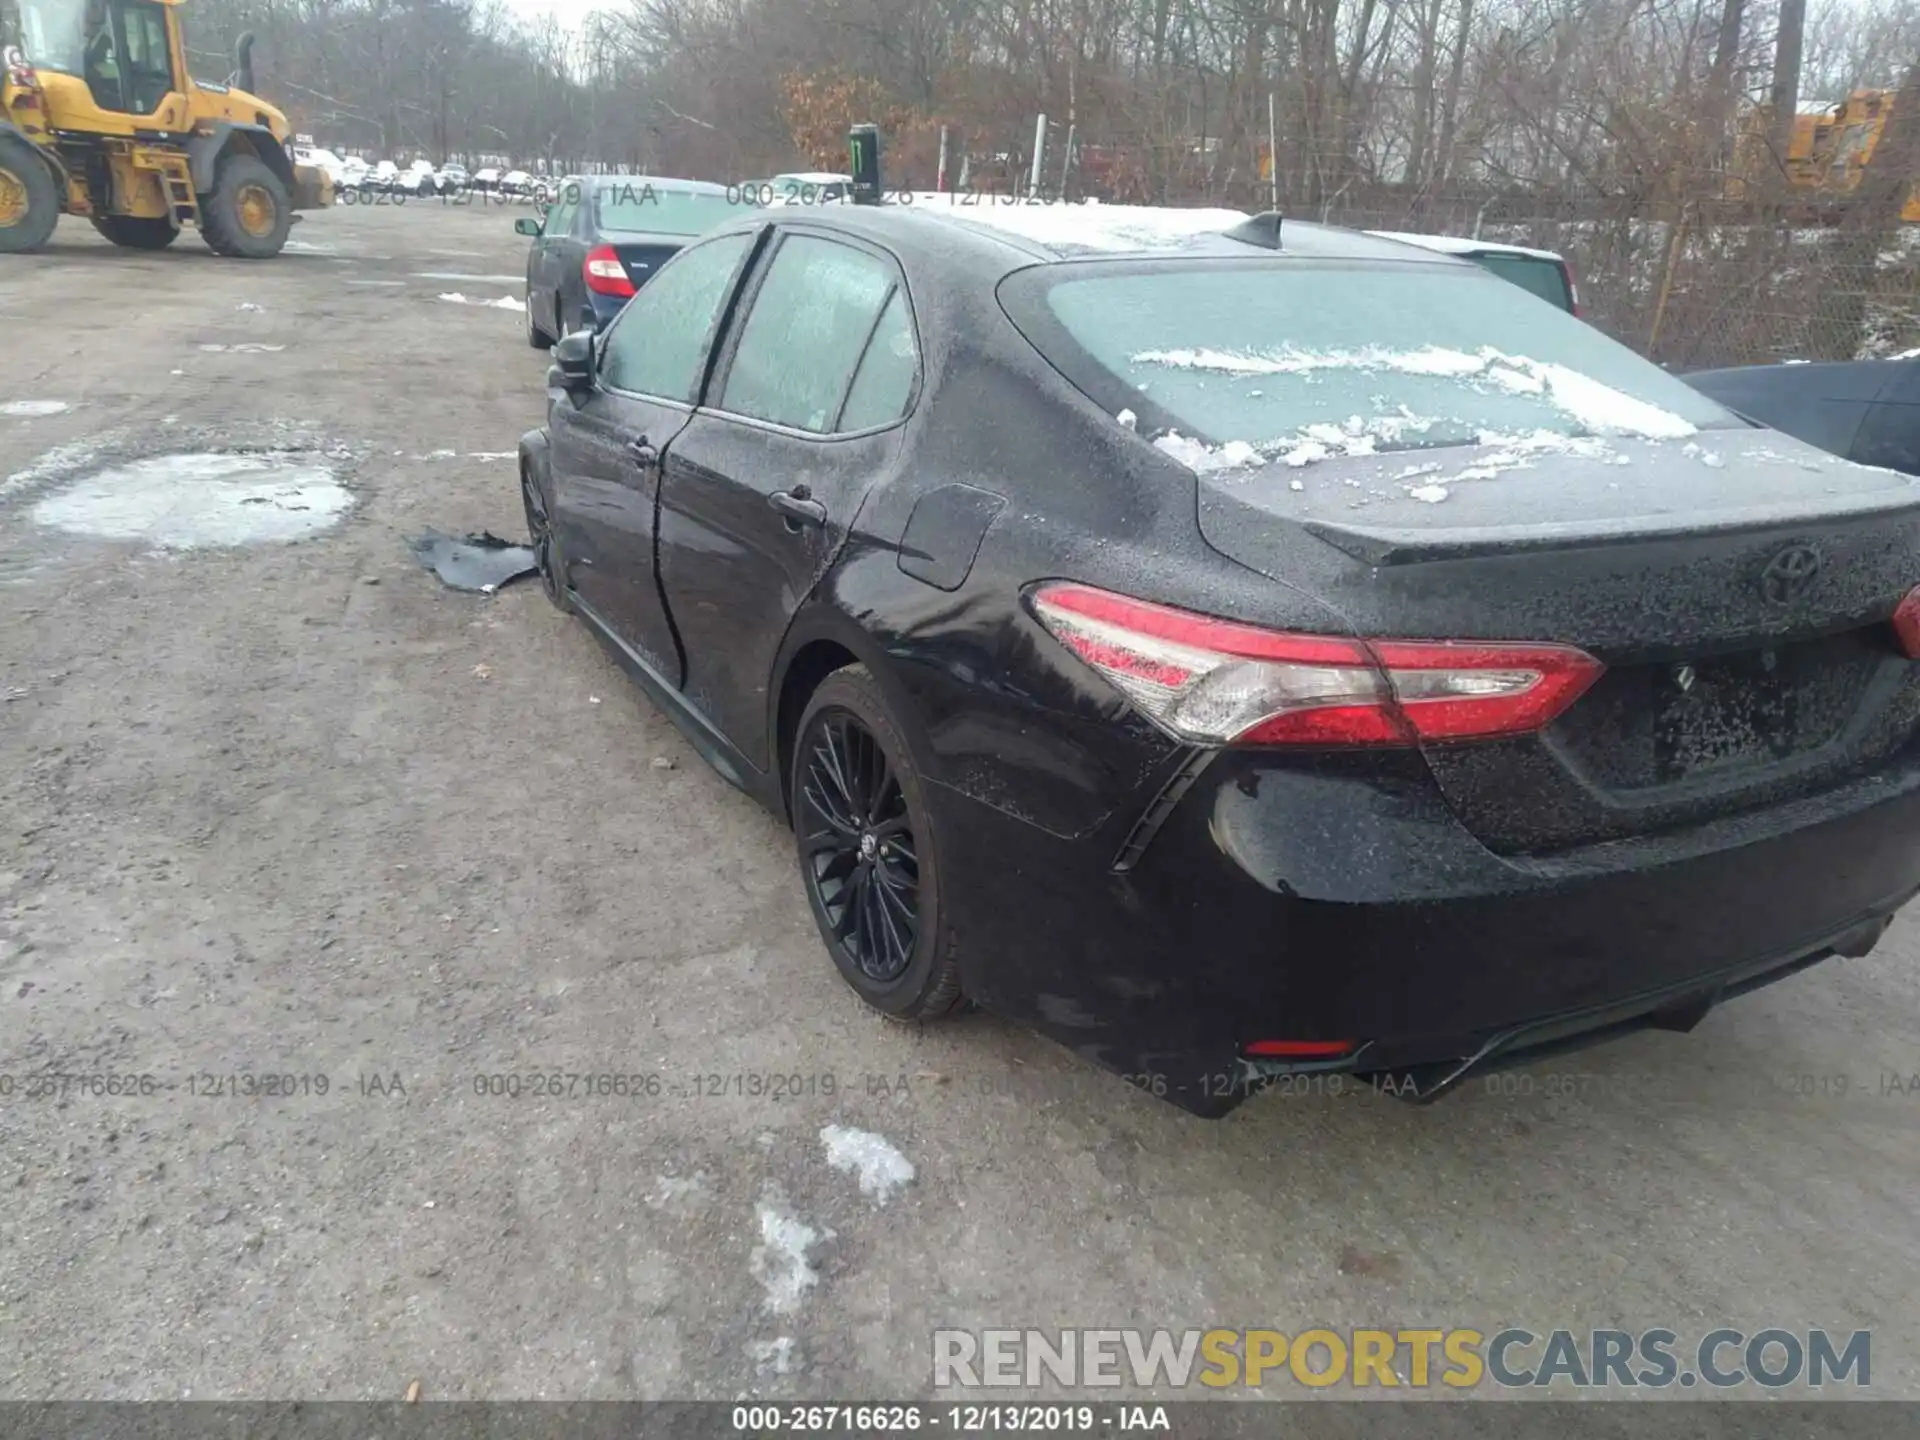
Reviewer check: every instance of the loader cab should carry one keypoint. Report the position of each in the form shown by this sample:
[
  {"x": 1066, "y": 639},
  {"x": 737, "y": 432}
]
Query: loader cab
[{"x": 125, "y": 52}]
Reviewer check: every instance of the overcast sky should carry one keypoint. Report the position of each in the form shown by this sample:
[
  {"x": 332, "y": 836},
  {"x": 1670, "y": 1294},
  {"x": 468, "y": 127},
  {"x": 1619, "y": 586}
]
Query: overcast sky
[{"x": 570, "y": 13}]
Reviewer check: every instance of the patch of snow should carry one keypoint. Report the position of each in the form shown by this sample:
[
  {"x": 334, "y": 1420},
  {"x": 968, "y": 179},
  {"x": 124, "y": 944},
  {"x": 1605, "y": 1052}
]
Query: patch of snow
[
  {"x": 245, "y": 348},
  {"x": 1295, "y": 485},
  {"x": 57, "y": 463},
  {"x": 1429, "y": 494},
  {"x": 187, "y": 502},
  {"x": 33, "y": 409},
  {"x": 1807, "y": 362},
  {"x": 1128, "y": 420},
  {"x": 1588, "y": 402},
  {"x": 493, "y": 455},
  {"x": 505, "y": 302},
  {"x": 779, "y": 1261},
  {"x": 772, "y": 1357},
  {"x": 1906, "y": 355},
  {"x": 882, "y": 1169},
  {"x": 1202, "y": 458},
  {"x": 458, "y": 275},
  {"x": 247, "y": 305},
  {"x": 669, "y": 1190}
]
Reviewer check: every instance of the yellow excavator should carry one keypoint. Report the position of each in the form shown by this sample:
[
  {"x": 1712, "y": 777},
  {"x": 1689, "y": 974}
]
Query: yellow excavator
[{"x": 100, "y": 117}]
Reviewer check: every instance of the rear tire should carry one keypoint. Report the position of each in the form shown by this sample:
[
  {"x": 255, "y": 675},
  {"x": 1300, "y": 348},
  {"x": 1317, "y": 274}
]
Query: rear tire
[
  {"x": 247, "y": 214},
  {"x": 137, "y": 232},
  {"x": 29, "y": 200},
  {"x": 536, "y": 337},
  {"x": 867, "y": 853}
]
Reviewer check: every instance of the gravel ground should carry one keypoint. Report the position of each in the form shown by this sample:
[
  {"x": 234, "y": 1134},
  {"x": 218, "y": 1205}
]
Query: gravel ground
[{"x": 297, "y": 810}]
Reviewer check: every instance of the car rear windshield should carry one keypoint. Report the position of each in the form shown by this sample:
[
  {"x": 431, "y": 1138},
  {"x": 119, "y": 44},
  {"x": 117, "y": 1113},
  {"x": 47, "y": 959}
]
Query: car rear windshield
[
  {"x": 648, "y": 208},
  {"x": 1362, "y": 356},
  {"x": 1535, "y": 274}
]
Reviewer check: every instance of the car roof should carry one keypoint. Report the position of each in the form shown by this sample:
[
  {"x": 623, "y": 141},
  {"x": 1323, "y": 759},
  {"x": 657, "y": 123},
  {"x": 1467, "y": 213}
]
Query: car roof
[
  {"x": 1017, "y": 235},
  {"x": 1458, "y": 245},
  {"x": 657, "y": 182}
]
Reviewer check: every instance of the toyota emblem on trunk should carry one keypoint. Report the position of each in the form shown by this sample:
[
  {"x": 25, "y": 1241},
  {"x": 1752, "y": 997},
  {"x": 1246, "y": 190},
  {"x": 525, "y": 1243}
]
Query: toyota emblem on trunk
[{"x": 1788, "y": 574}]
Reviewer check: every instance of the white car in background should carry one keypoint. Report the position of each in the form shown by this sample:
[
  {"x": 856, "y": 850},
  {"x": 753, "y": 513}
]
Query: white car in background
[
  {"x": 516, "y": 182},
  {"x": 452, "y": 179},
  {"x": 810, "y": 187},
  {"x": 322, "y": 159},
  {"x": 416, "y": 179},
  {"x": 486, "y": 178}
]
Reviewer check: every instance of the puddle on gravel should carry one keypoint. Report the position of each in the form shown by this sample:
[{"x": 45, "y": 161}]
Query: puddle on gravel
[
  {"x": 33, "y": 409},
  {"x": 190, "y": 502}
]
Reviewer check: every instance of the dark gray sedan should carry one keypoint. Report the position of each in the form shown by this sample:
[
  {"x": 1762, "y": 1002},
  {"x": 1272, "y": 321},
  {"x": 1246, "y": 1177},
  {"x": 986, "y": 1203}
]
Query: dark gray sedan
[{"x": 601, "y": 239}]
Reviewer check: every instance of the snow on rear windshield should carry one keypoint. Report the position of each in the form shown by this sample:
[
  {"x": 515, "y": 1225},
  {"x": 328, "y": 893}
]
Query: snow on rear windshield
[{"x": 1405, "y": 357}]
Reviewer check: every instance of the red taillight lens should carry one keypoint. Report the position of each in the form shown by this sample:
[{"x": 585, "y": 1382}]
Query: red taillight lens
[
  {"x": 1301, "y": 1049},
  {"x": 1219, "y": 682},
  {"x": 1573, "y": 286},
  {"x": 604, "y": 273},
  {"x": 1906, "y": 623}
]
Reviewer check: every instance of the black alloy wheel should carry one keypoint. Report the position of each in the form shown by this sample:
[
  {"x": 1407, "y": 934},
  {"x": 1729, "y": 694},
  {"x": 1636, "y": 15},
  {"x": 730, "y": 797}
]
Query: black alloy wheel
[
  {"x": 862, "y": 864},
  {"x": 867, "y": 853}
]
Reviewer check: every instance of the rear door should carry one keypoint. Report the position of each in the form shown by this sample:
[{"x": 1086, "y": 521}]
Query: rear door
[
  {"x": 607, "y": 446},
  {"x": 762, "y": 486}
]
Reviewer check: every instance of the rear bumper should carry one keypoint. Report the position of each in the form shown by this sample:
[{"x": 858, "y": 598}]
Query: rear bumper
[{"x": 1337, "y": 898}]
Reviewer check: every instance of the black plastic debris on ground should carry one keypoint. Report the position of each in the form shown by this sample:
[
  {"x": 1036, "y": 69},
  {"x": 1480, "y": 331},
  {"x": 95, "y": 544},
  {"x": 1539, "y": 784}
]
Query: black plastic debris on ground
[{"x": 482, "y": 562}]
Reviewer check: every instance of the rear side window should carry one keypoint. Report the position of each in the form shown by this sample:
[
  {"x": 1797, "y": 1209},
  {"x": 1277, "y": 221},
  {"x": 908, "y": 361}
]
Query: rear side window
[
  {"x": 883, "y": 385},
  {"x": 1345, "y": 357},
  {"x": 658, "y": 346},
  {"x": 806, "y": 334},
  {"x": 1532, "y": 273}
]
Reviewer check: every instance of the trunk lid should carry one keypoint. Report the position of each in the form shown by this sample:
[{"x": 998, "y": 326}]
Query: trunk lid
[
  {"x": 642, "y": 255},
  {"x": 1737, "y": 586}
]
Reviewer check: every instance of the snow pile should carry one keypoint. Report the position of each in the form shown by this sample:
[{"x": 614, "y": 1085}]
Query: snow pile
[
  {"x": 779, "y": 1262},
  {"x": 32, "y": 409},
  {"x": 505, "y": 302},
  {"x": 1085, "y": 226},
  {"x": 882, "y": 1169},
  {"x": 1588, "y": 402}
]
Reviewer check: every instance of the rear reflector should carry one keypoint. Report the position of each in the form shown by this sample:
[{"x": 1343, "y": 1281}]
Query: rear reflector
[
  {"x": 1301, "y": 1049},
  {"x": 1906, "y": 623},
  {"x": 604, "y": 273},
  {"x": 1219, "y": 682}
]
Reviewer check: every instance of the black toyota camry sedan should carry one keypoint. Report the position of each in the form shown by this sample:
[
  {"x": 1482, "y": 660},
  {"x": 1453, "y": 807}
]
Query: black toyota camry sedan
[{"x": 1236, "y": 647}]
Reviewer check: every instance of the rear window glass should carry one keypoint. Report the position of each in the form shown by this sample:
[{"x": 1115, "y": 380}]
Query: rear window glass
[
  {"x": 639, "y": 207},
  {"x": 1354, "y": 357},
  {"x": 1539, "y": 277}
]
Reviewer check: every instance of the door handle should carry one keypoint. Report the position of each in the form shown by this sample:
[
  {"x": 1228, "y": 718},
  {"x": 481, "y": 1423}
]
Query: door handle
[
  {"x": 799, "y": 506},
  {"x": 642, "y": 453}
]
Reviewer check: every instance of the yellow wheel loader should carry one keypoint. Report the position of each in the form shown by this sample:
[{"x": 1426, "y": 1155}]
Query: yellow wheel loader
[{"x": 99, "y": 117}]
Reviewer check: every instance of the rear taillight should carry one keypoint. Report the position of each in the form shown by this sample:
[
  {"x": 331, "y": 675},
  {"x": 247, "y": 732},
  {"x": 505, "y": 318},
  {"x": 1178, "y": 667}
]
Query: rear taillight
[
  {"x": 1573, "y": 286},
  {"x": 1219, "y": 682},
  {"x": 1906, "y": 623},
  {"x": 1302, "y": 1049},
  {"x": 604, "y": 273}
]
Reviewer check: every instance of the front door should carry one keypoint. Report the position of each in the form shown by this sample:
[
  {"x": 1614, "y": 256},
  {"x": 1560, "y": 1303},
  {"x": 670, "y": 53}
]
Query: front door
[
  {"x": 608, "y": 447},
  {"x": 762, "y": 486}
]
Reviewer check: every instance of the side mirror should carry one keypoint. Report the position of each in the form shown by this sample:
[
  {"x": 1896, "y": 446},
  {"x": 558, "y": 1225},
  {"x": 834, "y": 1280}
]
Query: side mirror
[
  {"x": 527, "y": 225},
  {"x": 573, "y": 362}
]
